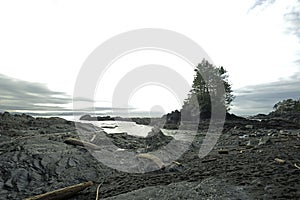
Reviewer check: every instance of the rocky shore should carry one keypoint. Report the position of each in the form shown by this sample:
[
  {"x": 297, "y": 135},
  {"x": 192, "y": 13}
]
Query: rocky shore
[{"x": 253, "y": 159}]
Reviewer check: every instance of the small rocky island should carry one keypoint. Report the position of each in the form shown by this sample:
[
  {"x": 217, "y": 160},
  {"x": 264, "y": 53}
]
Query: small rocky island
[{"x": 254, "y": 158}]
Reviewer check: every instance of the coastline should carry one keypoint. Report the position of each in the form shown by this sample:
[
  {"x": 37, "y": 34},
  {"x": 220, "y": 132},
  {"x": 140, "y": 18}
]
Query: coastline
[{"x": 249, "y": 161}]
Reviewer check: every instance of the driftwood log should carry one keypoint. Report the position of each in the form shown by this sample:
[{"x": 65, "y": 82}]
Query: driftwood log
[
  {"x": 62, "y": 193},
  {"x": 77, "y": 142},
  {"x": 280, "y": 161},
  {"x": 152, "y": 157}
]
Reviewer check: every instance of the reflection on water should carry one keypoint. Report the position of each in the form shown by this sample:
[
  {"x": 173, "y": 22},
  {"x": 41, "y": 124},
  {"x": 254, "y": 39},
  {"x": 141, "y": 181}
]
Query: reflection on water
[
  {"x": 132, "y": 128},
  {"x": 121, "y": 126}
]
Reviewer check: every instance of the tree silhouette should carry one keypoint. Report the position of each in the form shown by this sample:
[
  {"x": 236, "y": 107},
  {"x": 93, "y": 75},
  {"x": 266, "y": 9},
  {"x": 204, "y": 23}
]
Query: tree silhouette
[{"x": 210, "y": 85}]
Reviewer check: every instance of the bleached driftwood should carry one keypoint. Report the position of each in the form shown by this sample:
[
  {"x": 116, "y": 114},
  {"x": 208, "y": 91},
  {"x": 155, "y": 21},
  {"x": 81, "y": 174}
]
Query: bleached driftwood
[
  {"x": 280, "y": 161},
  {"x": 62, "y": 193},
  {"x": 154, "y": 158},
  {"x": 97, "y": 191},
  {"x": 82, "y": 143},
  {"x": 176, "y": 163}
]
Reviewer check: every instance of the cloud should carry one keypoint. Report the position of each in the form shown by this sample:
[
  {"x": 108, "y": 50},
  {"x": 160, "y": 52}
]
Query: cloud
[
  {"x": 17, "y": 94},
  {"x": 292, "y": 16},
  {"x": 261, "y": 98},
  {"x": 259, "y": 3}
]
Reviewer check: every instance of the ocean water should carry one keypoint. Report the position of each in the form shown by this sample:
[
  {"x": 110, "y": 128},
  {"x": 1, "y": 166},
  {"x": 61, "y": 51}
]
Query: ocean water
[
  {"x": 112, "y": 127},
  {"x": 130, "y": 128}
]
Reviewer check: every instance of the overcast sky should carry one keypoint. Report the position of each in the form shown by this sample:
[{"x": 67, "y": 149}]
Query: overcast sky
[{"x": 43, "y": 45}]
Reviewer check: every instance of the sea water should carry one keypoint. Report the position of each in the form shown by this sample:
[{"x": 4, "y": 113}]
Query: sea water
[{"x": 131, "y": 128}]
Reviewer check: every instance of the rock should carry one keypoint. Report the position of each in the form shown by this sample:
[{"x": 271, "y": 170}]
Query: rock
[
  {"x": 264, "y": 141},
  {"x": 268, "y": 188},
  {"x": 209, "y": 188},
  {"x": 155, "y": 132},
  {"x": 174, "y": 168},
  {"x": 223, "y": 151},
  {"x": 172, "y": 120},
  {"x": 72, "y": 162},
  {"x": 32, "y": 163},
  {"x": 8, "y": 184},
  {"x": 249, "y": 126},
  {"x": 19, "y": 179},
  {"x": 88, "y": 118},
  {"x": 105, "y": 118}
]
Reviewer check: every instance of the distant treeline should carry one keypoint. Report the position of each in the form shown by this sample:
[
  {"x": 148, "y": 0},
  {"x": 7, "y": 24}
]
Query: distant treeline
[{"x": 287, "y": 106}]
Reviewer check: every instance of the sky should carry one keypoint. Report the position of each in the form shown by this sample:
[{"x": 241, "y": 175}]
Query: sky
[{"x": 43, "y": 45}]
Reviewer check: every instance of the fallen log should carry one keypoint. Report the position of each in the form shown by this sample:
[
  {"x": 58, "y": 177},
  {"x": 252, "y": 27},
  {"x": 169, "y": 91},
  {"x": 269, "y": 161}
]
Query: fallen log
[
  {"x": 62, "y": 193},
  {"x": 77, "y": 142},
  {"x": 154, "y": 158}
]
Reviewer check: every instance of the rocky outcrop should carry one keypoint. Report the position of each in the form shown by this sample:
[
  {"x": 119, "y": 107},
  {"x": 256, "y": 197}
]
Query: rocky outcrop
[{"x": 258, "y": 163}]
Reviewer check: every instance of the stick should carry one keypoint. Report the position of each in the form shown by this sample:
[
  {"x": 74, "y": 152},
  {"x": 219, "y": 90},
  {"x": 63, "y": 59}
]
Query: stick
[
  {"x": 82, "y": 143},
  {"x": 93, "y": 138},
  {"x": 62, "y": 193},
  {"x": 97, "y": 192},
  {"x": 296, "y": 166},
  {"x": 176, "y": 163}
]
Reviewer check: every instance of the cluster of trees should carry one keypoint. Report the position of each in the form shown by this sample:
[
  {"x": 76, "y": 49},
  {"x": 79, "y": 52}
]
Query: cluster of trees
[
  {"x": 210, "y": 86},
  {"x": 287, "y": 106}
]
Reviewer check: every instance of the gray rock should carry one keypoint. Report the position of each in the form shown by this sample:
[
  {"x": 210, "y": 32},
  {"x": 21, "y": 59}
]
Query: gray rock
[
  {"x": 249, "y": 126},
  {"x": 206, "y": 189},
  {"x": 19, "y": 179},
  {"x": 264, "y": 141}
]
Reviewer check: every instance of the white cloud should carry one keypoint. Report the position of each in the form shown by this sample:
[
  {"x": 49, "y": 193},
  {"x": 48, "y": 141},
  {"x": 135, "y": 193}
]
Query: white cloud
[{"x": 47, "y": 41}]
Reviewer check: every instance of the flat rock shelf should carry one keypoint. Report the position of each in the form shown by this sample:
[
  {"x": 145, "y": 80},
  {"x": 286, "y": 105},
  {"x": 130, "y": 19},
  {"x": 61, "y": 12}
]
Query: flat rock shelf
[{"x": 252, "y": 160}]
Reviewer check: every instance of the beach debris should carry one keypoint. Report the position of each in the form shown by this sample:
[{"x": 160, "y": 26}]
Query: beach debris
[
  {"x": 242, "y": 151},
  {"x": 280, "y": 161},
  {"x": 176, "y": 163},
  {"x": 62, "y": 193},
  {"x": 109, "y": 126},
  {"x": 93, "y": 138},
  {"x": 223, "y": 151},
  {"x": 264, "y": 141},
  {"x": 243, "y": 136},
  {"x": 77, "y": 142},
  {"x": 281, "y": 139},
  {"x": 97, "y": 191},
  {"x": 297, "y": 166},
  {"x": 249, "y": 126},
  {"x": 152, "y": 157},
  {"x": 250, "y": 144}
]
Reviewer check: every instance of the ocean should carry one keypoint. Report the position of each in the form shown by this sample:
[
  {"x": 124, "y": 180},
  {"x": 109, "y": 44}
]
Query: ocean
[{"x": 130, "y": 128}]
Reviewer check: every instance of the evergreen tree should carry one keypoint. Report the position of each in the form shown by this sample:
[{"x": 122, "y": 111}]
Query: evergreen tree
[
  {"x": 287, "y": 105},
  {"x": 207, "y": 87}
]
